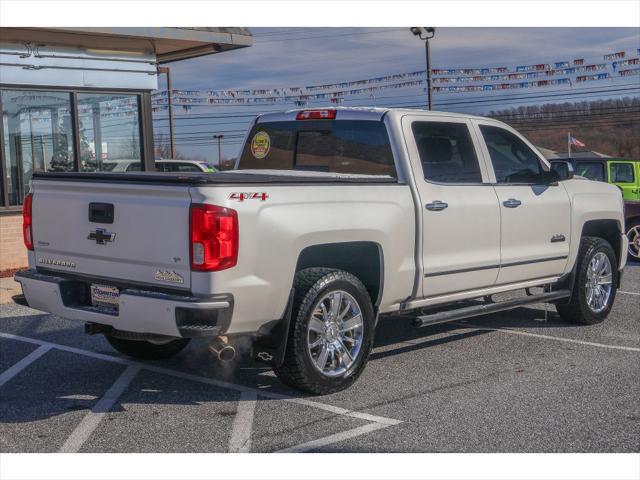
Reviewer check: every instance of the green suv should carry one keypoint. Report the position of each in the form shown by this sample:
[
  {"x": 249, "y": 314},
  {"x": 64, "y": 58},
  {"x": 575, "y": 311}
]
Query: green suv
[{"x": 625, "y": 174}]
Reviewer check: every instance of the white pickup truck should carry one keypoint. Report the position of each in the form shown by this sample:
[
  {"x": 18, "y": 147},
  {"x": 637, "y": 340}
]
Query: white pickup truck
[{"x": 331, "y": 218}]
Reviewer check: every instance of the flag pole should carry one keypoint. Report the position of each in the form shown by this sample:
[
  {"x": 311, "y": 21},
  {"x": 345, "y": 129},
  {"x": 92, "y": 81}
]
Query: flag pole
[{"x": 569, "y": 143}]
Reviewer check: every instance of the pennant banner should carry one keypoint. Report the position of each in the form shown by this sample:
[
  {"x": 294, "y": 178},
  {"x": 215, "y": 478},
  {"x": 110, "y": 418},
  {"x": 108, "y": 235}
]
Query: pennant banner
[
  {"x": 630, "y": 72},
  {"x": 503, "y": 86},
  {"x": 589, "y": 78},
  {"x": 614, "y": 56},
  {"x": 625, "y": 63},
  {"x": 446, "y": 80}
]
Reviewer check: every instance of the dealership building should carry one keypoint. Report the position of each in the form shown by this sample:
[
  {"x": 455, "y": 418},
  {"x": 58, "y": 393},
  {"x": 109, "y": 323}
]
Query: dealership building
[{"x": 79, "y": 99}]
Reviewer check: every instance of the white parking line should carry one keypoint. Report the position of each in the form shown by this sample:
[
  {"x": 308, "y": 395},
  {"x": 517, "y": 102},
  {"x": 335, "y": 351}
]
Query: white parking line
[
  {"x": 337, "y": 437},
  {"x": 89, "y": 423},
  {"x": 243, "y": 423},
  {"x": 379, "y": 422},
  {"x": 628, "y": 293},
  {"x": 12, "y": 371},
  {"x": 548, "y": 337}
]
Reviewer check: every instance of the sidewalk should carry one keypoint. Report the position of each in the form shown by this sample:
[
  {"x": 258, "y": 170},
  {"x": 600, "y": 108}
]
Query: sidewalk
[{"x": 8, "y": 288}]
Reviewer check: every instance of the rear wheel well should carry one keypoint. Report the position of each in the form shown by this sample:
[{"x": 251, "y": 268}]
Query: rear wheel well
[
  {"x": 608, "y": 230},
  {"x": 362, "y": 259}
]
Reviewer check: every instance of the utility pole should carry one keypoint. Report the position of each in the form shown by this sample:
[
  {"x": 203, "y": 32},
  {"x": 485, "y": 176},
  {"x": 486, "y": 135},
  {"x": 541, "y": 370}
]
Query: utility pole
[
  {"x": 219, "y": 137},
  {"x": 426, "y": 33},
  {"x": 167, "y": 72}
]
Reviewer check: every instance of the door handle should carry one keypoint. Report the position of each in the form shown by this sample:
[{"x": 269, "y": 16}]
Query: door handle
[
  {"x": 512, "y": 203},
  {"x": 436, "y": 206}
]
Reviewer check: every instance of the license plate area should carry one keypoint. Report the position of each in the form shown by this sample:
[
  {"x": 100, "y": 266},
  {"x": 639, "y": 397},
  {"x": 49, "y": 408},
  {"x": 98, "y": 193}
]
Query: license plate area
[{"x": 105, "y": 296}]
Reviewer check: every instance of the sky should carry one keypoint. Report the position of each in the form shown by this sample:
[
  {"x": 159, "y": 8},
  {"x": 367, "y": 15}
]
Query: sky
[{"x": 285, "y": 57}]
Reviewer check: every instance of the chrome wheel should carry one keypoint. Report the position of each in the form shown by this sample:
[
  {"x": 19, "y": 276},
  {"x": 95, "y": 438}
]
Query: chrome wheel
[
  {"x": 334, "y": 333},
  {"x": 634, "y": 241},
  {"x": 599, "y": 282}
]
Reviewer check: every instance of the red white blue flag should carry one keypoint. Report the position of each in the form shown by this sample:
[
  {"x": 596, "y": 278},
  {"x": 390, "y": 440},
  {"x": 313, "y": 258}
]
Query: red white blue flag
[{"x": 576, "y": 142}]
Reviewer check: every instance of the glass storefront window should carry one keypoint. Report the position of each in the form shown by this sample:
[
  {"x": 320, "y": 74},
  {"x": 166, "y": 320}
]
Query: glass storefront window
[
  {"x": 37, "y": 136},
  {"x": 109, "y": 127}
]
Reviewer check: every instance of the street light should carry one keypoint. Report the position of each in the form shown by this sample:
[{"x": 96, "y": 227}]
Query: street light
[
  {"x": 219, "y": 137},
  {"x": 426, "y": 33}
]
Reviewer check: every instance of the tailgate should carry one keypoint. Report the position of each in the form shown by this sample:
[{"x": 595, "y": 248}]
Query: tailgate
[{"x": 146, "y": 241}]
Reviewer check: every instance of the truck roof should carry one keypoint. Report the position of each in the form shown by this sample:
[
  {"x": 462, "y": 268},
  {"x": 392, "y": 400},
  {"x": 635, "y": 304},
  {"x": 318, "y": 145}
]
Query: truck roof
[{"x": 358, "y": 113}]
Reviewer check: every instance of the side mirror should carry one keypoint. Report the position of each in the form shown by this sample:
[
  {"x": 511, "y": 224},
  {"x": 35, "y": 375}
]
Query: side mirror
[{"x": 562, "y": 169}]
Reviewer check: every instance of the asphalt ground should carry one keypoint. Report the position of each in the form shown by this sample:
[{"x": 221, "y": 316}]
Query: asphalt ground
[{"x": 520, "y": 381}]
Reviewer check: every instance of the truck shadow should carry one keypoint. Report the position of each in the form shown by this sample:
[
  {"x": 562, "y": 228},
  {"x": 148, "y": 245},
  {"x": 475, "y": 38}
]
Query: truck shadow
[{"x": 63, "y": 382}]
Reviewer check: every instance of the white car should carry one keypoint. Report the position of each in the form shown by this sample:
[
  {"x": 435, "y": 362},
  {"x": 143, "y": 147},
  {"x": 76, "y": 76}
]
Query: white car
[
  {"x": 178, "y": 166},
  {"x": 332, "y": 218}
]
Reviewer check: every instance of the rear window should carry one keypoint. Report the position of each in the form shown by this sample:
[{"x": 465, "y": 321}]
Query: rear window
[{"x": 355, "y": 147}]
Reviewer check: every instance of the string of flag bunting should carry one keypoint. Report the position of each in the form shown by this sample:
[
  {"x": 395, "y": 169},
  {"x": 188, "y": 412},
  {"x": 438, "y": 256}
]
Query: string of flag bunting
[{"x": 445, "y": 80}]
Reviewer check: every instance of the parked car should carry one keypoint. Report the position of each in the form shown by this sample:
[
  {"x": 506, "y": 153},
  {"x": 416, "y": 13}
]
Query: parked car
[
  {"x": 181, "y": 166},
  {"x": 334, "y": 218},
  {"x": 184, "y": 166},
  {"x": 623, "y": 173},
  {"x": 632, "y": 226}
]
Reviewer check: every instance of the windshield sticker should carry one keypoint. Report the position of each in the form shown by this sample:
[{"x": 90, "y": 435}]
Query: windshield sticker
[{"x": 260, "y": 145}]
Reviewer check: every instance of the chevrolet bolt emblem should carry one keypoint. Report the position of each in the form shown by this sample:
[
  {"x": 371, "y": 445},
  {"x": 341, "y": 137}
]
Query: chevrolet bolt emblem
[{"x": 101, "y": 236}]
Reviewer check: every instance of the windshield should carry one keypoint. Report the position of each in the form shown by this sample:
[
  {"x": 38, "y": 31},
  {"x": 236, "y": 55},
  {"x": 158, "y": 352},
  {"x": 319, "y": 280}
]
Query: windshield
[{"x": 345, "y": 146}]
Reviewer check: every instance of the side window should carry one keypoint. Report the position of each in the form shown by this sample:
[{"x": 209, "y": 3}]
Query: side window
[
  {"x": 446, "y": 152},
  {"x": 187, "y": 167},
  {"x": 591, "y": 170},
  {"x": 622, "y": 173},
  {"x": 513, "y": 161}
]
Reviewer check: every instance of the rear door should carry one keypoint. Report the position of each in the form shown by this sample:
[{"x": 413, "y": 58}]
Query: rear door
[
  {"x": 461, "y": 217},
  {"x": 535, "y": 217},
  {"x": 624, "y": 176},
  {"x": 122, "y": 232}
]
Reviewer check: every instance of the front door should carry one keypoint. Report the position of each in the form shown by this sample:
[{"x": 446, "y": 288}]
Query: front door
[
  {"x": 622, "y": 175},
  {"x": 535, "y": 217},
  {"x": 460, "y": 213}
]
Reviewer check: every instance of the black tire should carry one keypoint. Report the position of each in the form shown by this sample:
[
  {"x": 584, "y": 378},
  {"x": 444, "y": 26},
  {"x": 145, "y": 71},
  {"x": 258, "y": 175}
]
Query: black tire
[
  {"x": 578, "y": 310},
  {"x": 634, "y": 251},
  {"x": 146, "y": 350},
  {"x": 297, "y": 370}
]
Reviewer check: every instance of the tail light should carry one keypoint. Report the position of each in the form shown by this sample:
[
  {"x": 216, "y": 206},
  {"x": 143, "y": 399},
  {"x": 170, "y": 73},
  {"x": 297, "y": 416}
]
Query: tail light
[
  {"x": 214, "y": 238},
  {"x": 329, "y": 114},
  {"x": 27, "y": 221}
]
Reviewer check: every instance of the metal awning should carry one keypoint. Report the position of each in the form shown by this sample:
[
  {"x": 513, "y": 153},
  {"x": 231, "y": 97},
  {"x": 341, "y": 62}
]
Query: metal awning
[{"x": 167, "y": 43}]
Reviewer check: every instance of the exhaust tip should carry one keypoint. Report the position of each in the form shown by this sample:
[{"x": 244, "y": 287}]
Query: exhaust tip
[{"x": 223, "y": 351}]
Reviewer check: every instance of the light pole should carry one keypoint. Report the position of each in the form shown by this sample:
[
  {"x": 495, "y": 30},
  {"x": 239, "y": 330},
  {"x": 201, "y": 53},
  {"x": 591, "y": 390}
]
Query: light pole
[
  {"x": 426, "y": 33},
  {"x": 219, "y": 137}
]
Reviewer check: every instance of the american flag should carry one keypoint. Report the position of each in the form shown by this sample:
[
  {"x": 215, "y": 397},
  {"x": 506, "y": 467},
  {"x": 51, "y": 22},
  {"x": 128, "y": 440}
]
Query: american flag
[{"x": 576, "y": 142}]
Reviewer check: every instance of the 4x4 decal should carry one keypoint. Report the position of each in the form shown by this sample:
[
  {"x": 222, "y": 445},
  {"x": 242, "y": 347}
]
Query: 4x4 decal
[{"x": 242, "y": 196}]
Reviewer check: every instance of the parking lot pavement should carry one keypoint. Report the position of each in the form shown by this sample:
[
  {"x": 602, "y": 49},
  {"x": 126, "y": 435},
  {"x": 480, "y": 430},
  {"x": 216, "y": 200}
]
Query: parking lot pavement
[{"x": 519, "y": 381}]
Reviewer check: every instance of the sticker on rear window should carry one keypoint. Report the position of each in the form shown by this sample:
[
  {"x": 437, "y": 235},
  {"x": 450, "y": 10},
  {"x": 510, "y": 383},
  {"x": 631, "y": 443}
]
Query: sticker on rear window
[{"x": 260, "y": 145}]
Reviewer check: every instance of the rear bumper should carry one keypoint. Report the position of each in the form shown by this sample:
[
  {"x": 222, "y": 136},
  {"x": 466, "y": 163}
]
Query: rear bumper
[{"x": 142, "y": 311}]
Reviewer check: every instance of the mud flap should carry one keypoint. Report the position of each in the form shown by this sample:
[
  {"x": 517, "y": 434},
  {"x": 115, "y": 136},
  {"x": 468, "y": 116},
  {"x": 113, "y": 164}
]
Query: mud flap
[{"x": 270, "y": 344}]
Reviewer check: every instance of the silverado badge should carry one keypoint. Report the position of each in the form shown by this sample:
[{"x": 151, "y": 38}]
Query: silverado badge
[{"x": 167, "y": 276}]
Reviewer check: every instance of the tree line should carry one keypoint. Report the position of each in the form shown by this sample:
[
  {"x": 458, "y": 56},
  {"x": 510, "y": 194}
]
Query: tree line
[{"x": 608, "y": 126}]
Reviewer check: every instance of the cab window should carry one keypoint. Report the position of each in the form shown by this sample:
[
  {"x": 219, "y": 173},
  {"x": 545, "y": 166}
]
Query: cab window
[
  {"x": 513, "y": 161},
  {"x": 622, "y": 173},
  {"x": 446, "y": 152}
]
